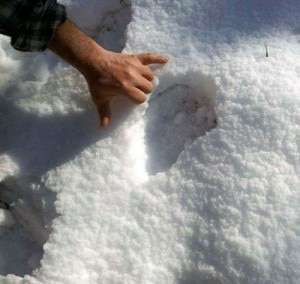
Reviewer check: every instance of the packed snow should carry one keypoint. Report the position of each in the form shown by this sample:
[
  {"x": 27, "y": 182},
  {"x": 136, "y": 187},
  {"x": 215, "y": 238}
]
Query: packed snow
[{"x": 198, "y": 185}]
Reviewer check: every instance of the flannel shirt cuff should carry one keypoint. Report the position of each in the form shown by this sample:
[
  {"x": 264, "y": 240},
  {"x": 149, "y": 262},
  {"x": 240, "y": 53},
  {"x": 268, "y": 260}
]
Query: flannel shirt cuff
[{"x": 39, "y": 27}]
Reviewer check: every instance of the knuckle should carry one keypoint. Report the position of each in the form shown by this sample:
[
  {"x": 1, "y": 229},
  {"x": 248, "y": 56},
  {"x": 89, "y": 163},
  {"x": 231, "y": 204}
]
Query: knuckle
[
  {"x": 150, "y": 88},
  {"x": 128, "y": 73},
  {"x": 124, "y": 85},
  {"x": 126, "y": 70},
  {"x": 138, "y": 98},
  {"x": 151, "y": 76},
  {"x": 142, "y": 99},
  {"x": 134, "y": 57}
]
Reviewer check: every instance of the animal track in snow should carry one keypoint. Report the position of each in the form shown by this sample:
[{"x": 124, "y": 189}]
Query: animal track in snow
[
  {"x": 176, "y": 116},
  {"x": 110, "y": 33},
  {"x": 26, "y": 224}
]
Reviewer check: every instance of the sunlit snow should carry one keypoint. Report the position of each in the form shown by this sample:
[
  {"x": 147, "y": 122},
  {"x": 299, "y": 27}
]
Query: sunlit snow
[{"x": 198, "y": 185}]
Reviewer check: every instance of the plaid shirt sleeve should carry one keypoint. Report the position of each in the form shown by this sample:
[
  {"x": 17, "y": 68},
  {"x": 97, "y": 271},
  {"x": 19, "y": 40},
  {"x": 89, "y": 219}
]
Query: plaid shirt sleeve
[{"x": 30, "y": 23}]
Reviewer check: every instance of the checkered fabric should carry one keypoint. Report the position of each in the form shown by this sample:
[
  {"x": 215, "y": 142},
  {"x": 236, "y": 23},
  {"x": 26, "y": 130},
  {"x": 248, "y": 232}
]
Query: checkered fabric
[{"x": 30, "y": 23}]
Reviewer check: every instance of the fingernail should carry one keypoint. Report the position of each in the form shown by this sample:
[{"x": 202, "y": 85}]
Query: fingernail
[{"x": 104, "y": 122}]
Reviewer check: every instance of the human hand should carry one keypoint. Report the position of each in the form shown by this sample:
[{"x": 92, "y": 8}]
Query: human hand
[
  {"x": 114, "y": 74},
  {"x": 108, "y": 74}
]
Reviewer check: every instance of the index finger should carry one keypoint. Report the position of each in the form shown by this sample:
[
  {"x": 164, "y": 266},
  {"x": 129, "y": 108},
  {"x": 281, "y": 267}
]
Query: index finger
[{"x": 150, "y": 58}]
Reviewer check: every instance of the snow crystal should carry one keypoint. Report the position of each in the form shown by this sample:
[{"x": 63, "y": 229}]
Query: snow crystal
[{"x": 160, "y": 196}]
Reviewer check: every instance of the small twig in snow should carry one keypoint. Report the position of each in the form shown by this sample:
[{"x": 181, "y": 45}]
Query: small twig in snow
[{"x": 267, "y": 52}]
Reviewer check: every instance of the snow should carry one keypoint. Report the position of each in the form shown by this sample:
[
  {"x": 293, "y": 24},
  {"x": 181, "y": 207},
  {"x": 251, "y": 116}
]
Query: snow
[
  {"x": 6, "y": 218},
  {"x": 199, "y": 183}
]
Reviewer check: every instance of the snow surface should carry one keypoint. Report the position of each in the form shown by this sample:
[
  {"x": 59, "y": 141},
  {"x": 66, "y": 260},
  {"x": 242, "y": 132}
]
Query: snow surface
[{"x": 200, "y": 183}]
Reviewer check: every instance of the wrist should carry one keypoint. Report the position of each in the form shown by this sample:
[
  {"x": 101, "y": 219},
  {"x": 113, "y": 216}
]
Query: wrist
[
  {"x": 92, "y": 61},
  {"x": 76, "y": 48}
]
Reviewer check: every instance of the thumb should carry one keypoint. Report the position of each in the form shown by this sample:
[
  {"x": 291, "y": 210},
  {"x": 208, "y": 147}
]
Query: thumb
[{"x": 104, "y": 113}]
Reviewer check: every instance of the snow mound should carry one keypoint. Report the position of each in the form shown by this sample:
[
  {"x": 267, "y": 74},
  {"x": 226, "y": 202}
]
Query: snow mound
[{"x": 152, "y": 200}]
